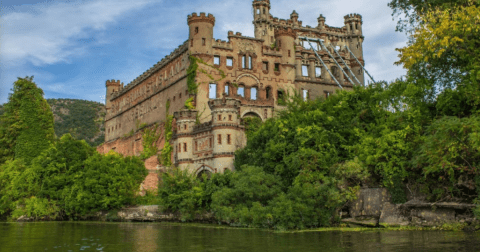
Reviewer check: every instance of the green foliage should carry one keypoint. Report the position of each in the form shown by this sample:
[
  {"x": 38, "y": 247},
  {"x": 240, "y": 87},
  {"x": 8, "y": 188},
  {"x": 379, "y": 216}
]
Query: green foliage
[
  {"x": 69, "y": 179},
  {"x": 150, "y": 137},
  {"x": 252, "y": 124},
  {"x": 165, "y": 157},
  {"x": 82, "y": 119},
  {"x": 26, "y": 127}
]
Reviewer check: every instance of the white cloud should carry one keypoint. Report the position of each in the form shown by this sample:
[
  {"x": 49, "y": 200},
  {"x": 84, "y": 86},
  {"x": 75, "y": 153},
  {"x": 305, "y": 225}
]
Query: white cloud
[{"x": 48, "y": 33}]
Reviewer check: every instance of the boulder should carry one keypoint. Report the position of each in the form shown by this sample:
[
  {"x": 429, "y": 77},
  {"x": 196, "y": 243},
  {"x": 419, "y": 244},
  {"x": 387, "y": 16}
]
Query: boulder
[{"x": 392, "y": 216}]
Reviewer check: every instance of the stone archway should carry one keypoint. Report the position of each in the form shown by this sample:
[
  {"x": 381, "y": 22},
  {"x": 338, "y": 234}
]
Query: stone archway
[
  {"x": 252, "y": 114},
  {"x": 204, "y": 169}
]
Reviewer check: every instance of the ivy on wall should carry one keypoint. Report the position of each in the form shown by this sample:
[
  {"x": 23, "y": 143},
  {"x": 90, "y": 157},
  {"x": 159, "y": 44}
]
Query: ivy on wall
[
  {"x": 150, "y": 137},
  {"x": 165, "y": 156}
]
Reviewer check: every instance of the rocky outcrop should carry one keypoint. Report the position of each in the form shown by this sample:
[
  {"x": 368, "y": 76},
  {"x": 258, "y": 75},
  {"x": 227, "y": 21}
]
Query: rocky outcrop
[{"x": 373, "y": 208}]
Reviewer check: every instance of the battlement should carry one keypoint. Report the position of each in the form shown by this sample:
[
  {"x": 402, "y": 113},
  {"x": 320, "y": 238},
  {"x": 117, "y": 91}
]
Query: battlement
[
  {"x": 285, "y": 32},
  {"x": 194, "y": 18},
  {"x": 114, "y": 83},
  {"x": 223, "y": 44},
  {"x": 353, "y": 17},
  {"x": 224, "y": 103},
  {"x": 185, "y": 114}
]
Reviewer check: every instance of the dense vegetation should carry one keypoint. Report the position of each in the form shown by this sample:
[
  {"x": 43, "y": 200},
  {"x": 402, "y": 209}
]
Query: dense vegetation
[
  {"x": 82, "y": 119},
  {"x": 43, "y": 177},
  {"x": 415, "y": 136}
]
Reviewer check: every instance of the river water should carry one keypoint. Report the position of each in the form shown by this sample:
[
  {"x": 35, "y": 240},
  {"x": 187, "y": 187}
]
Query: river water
[{"x": 91, "y": 236}]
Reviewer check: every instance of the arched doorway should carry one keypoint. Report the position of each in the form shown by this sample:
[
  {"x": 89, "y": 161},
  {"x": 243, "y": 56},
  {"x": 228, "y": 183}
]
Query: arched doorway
[{"x": 204, "y": 171}]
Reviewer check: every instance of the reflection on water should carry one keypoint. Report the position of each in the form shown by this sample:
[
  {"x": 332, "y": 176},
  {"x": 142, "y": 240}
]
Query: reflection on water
[{"x": 149, "y": 237}]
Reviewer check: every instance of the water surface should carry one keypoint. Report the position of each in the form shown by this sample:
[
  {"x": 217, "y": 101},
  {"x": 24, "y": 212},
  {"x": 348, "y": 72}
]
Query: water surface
[{"x": 88, "y": 236}]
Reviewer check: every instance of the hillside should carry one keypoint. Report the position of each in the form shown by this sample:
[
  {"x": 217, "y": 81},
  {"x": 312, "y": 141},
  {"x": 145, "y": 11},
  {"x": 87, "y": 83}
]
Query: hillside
[{"x": 83, "y": 119}]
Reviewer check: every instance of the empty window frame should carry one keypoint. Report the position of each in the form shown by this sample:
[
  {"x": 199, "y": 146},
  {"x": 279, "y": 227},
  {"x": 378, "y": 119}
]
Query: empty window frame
[
  {"x": 253, "y": 93},
  {"x": 304, "y": 70},
  {"x": 241, "y": 91},
  {"x": 196, "y": 30},
  {"x": 276, "y": 67},
  {"x": 318, "y": 72},
  {"x": 265, "y": 66},
  {"x": 212, "y": 91},
  {"x": 305, "y": 94},
  {"x": 327, "y": 94},
  {"x": 219, "y": 139},
  {"x": 196, "y": 146},
  {"x": 216, "y": 60},
  {"x": 184, "y": 147},
  {"x": 229, "y": 117},
  {"x": 229, "y": 61},
  {"x": 244, "y": 61},
  {"x": 219, "y": 117},
  {"x": 179, "y": 147},
  {"x": 250, "y": 65},
  {"x": 229, "y": 139},
  {"x": 258, "y": 11},
  {"x": 268, "y": 92},
  {"x": 203, "y": 41},
  {"x": 226, "y": 90}
]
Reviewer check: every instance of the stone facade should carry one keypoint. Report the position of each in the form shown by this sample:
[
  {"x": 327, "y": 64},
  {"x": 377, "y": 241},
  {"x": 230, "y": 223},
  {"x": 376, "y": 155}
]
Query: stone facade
[{"x": 258, "y": 73}]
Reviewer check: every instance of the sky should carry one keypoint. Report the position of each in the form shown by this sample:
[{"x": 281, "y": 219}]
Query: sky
[{"x": 72, "y": 47}]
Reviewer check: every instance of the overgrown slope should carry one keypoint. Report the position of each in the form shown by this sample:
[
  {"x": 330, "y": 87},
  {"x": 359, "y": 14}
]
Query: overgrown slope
[{"x": 83, "y": 119}]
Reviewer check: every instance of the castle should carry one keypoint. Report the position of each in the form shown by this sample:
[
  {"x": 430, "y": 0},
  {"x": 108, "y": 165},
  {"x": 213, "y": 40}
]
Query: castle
[{"x": 238, "y": 78}]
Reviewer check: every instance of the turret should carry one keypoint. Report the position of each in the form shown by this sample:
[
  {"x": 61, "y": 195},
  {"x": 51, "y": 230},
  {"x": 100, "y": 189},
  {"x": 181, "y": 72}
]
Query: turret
[
  {"x": 227, "y": 132},
  {"x": 112, "y": 86},
  {"x": 294, "y": 18},
  {"x": 201, "y": 33},
  {"x": 285, "y": 38},
  {"x": 353, "y": 23},
  {"x": 261, "y": 21},
  {"x": 321, "y": 22},
  {"x": 183, "y": 143}
]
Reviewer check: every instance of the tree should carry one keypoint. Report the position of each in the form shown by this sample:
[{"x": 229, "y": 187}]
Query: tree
[{"x": 26, "y": 127}]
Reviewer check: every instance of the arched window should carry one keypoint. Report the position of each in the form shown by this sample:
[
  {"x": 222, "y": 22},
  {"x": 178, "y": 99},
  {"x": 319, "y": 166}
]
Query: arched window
[{"x": 253, "y": 93}]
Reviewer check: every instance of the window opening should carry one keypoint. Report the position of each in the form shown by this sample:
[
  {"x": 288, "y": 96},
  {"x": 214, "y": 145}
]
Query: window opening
[
  {"x": 318, "y": 72},
  {"x": 196, "y": 30},
  {"x": 196, "y": 146},
  {"x": 258, "y": 11},
  {"x": 184, "y": 147},
  {"x": 229, "y": 61},
  {"x": 212, "y": 91},
  {"x": 269, "y": 92},
  {"x": 304, "y": 70},
  {"x": 179, "y": 147},
  {"x": 216, "y": 60},
  {"x": 226, "y": 90},
  {"x": 203, "y": 41},
  {"x": 253, "y": 93},
  {"x": 250, "y": 62},
  {"x": 219, "y": 117},
  {"x": 280, "y": 98},
  {"x": 305, "y": 94},
  {"x": 229, "y": 139},
  {"x": 229, "y": 117},
  {"x": 288, "y": 53},
  {"x": 277, "y": 67},
  {"x": 243, "y": 61},
  {"x": 241, "y": 91},
  {"x": 219, "y": 139},
  {"x": 265, "y": 66}
]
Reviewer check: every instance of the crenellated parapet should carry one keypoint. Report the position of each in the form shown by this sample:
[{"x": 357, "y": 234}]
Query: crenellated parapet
[
  {"x": 285, "y": 31},
  {"x": 203, "y": 18}
]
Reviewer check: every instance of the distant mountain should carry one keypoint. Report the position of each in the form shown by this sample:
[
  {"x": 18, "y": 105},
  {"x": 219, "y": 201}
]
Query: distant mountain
[{"x": 83, "y": 119}]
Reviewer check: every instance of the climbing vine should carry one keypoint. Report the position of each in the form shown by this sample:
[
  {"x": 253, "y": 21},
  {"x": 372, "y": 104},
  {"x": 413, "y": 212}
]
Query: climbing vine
[
  {"x": 165, "y": 157},
  {"x": 149, "y": 143}
]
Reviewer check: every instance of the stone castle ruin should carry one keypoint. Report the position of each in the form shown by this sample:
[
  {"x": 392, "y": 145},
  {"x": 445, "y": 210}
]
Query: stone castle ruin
[{"x": 238, "y": 78}]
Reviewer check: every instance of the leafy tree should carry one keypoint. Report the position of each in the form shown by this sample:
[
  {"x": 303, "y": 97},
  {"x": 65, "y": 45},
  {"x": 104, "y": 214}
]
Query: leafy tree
[{"x": 26, "y": 127}]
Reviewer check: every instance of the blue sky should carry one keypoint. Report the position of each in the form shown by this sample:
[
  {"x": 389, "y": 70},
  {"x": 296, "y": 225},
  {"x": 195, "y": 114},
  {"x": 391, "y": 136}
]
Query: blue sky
[{"x": 73, "y": 47}]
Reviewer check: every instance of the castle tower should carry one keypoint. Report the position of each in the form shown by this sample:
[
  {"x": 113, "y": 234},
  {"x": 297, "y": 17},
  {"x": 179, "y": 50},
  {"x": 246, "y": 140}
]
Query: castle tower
[
  {"x": 294, "y": 18},
  {"x": 321, "y": 22},
  {"x": 183, "y": 142},
  {"x": 201, "y": 33},
  {"x": 353, "y": 22},
  {"x": 112, "y": 86},
  {"x": 227, "y": 133},
  {"x": 261, "y": 21},
  {"x": 285, "y": 38}
]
